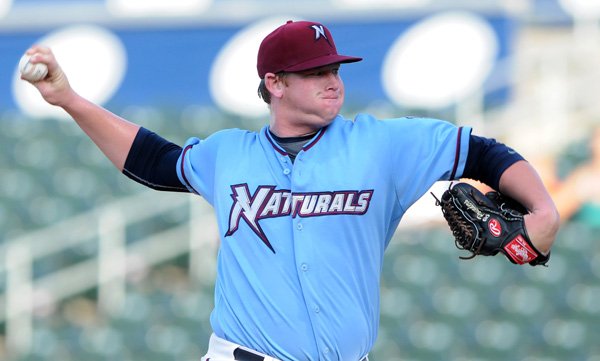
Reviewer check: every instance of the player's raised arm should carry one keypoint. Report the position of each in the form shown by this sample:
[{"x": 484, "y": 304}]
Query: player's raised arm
[{"x": 111, "y": 133}]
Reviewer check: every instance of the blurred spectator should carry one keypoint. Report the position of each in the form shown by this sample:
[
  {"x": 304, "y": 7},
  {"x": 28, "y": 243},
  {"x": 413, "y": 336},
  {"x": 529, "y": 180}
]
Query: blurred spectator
[{"x": 578, "y": 195}]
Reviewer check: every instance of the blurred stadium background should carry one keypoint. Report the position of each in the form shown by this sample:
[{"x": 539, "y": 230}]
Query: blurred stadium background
[{"x": 96, "y": 267}]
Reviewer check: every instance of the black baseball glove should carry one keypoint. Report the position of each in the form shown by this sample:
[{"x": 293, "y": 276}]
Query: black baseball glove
[{"x": 488, "y": 224}]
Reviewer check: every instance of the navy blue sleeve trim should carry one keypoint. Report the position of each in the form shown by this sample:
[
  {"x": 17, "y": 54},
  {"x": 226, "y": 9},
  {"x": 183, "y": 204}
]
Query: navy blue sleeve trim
[
  {"x": 182, "y": 170},
  {"x": 457, "y": 153},
  {"x": 152, "y": 161},
  {"x": 488, "y": 159}
]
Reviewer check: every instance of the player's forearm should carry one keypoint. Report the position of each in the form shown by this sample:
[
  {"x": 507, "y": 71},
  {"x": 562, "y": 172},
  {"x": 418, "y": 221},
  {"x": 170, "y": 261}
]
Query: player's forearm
[
  {"x": 521, "y": 182},
  {"x": 111, "y": 133}
]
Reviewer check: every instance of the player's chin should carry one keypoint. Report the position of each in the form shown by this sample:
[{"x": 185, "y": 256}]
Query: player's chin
[{"x": 328, "y": 117}]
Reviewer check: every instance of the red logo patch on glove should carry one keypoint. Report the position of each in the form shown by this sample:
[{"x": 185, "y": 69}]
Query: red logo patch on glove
[
  {"x": 520, "y": 251},
  {"x": 495, "y": 227}
]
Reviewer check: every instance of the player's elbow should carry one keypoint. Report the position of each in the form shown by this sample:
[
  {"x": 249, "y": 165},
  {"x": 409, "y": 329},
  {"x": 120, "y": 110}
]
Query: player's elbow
[{"x": 548, "y": 228}]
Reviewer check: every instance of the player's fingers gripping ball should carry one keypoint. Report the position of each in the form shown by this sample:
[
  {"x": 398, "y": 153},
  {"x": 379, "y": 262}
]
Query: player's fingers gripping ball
[
  {"x": 32, "y": 72},
  {"x": 488, "y": 224}
]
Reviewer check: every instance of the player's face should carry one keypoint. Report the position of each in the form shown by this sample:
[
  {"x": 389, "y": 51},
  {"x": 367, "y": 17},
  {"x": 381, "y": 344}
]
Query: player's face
[{"x": 314, "y": 97}]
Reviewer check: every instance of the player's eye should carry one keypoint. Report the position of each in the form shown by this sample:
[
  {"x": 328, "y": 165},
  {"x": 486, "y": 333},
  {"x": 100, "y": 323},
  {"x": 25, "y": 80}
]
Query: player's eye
[
  {"x": 325, "y": 72},
  {"x": 322, "y": 72}
]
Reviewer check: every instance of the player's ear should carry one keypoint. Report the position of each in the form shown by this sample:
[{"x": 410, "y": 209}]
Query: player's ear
[{"x": 274, "y": 84}]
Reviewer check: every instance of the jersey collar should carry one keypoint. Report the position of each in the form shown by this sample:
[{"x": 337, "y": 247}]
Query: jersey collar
[{"x": 306, "y": 147}]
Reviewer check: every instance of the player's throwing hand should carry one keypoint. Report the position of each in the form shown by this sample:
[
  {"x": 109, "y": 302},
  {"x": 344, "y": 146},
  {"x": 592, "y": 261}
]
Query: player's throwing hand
[{"x": 54, "y": 87}]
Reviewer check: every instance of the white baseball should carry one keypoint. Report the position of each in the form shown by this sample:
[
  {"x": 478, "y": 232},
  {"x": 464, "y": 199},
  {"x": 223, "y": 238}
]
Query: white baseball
[{"x": 30, "y": 71}]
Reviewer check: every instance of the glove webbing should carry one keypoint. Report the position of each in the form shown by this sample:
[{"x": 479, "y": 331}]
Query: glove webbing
[{"x": 464, "y": 235}]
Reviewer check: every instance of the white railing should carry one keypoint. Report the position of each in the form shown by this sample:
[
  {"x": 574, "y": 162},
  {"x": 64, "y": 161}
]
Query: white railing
[{"x": 106, "y": 270}]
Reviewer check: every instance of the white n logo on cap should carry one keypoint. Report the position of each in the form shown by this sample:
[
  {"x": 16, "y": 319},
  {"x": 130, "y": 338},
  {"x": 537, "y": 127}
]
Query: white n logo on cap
[{"x": 319, "y": 31}]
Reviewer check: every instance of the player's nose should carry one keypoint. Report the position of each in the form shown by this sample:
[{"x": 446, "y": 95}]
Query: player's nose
[{"x": 333, "y": 81}]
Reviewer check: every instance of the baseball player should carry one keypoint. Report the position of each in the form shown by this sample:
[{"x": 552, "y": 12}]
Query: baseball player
[{"x": 307, "y": 205}]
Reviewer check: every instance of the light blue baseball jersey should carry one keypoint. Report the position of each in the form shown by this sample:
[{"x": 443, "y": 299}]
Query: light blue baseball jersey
[{"x": 302, "y": 244}]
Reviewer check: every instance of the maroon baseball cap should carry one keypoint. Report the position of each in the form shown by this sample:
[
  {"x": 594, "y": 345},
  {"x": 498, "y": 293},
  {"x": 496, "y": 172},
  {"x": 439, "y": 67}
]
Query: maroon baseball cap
[{"x": 297, "y": 46}]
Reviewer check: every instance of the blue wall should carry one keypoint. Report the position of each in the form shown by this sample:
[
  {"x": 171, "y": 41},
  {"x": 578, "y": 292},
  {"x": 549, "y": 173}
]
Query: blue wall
[{"x": 157, "y": 55}]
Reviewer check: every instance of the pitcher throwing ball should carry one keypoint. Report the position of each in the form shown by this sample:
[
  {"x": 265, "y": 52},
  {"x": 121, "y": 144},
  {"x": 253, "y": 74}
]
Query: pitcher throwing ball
[{"x": 307, "y": 205}]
